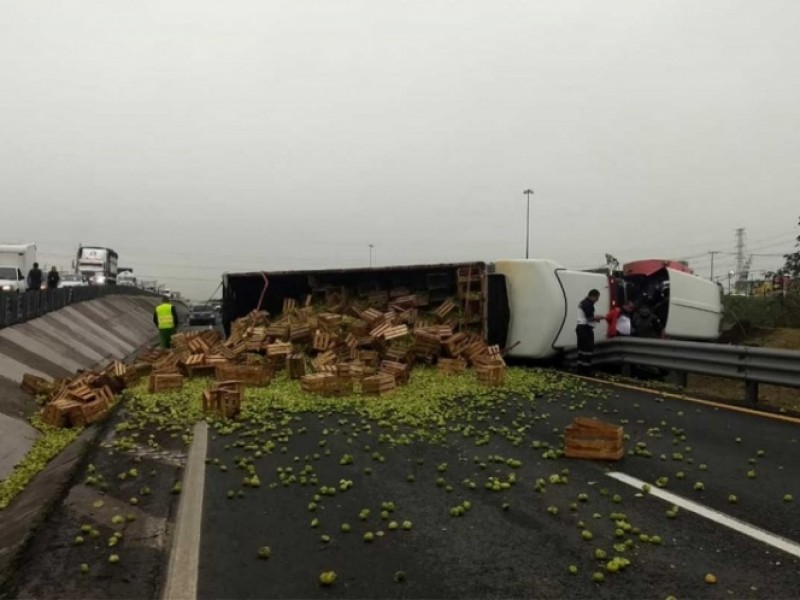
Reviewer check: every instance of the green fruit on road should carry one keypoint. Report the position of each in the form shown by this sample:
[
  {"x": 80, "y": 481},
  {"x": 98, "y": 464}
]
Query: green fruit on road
[
  {"x": 751, "y": 474},
  {"x": 79, "y": 540},
  {"x": 733, "y": 499},
  {"x": 84, "y": 568},
  {"x": 369, "y": 536},
  {"x": 788, "y": 498},
  {"x": 345, "y": 528},
  {"x": 612, "y": 566},
  {"x": 573, "y": 570},
  {"x": 113, "y": 559},
  {"x": 393, "y": 525},
  {"x": 327, "y": 578},
  {"x": 600, "y": 554},
  {"x": 407, "y": 525},
  {"x": 598, "y": 577},
  {"x": 699, "y": 486},
  {"x": 264, "y": 552},
  {"x": 399, "y": 577},
  {"x": 324, "y": 539},
  {"x": 586, "y": 535}
]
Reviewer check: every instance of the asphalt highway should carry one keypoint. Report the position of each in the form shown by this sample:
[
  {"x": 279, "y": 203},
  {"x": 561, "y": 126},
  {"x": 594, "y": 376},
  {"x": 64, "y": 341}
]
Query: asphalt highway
[{"x": 525, "y": 548}]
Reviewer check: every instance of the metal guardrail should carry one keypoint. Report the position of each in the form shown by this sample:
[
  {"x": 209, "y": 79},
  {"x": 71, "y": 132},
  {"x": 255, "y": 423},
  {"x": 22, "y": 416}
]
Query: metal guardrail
[
  {"x": 18, "y": 308},
  {"x": 749, "y": 364}
]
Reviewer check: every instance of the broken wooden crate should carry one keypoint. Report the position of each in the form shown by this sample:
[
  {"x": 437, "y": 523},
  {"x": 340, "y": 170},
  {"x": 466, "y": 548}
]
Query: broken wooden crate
[{"x": 593, "y": 439}]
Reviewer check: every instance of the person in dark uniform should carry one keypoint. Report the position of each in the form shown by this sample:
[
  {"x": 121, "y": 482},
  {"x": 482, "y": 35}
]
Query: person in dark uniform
[
  {"x": 585, "y": 330},
  {"x": 53, "y": 278},
  {"x": 35, "y": 278}
]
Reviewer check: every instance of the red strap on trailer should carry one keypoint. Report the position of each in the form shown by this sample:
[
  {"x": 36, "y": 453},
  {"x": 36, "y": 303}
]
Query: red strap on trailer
[{"x": 263, "y": 292}]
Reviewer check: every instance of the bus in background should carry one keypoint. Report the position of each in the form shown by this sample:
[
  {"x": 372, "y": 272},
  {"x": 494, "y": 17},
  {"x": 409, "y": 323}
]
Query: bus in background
[{"x": 96, "y": 265}]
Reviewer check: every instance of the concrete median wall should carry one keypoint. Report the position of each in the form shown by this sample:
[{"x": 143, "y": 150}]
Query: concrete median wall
[{"x": 79, "y": 336}]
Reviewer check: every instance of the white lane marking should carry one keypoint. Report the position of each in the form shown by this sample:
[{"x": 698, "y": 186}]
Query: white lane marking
[
  {"x": 752, "y": 531},
  {"x": 184, "y": 560}
]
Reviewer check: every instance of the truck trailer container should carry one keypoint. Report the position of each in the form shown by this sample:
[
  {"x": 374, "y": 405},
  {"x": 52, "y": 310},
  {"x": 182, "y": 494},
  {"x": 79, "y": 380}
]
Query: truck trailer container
[{"x": 527, "y": 307}]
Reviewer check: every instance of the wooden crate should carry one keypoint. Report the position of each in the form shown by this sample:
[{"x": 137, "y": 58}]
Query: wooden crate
[
  {"x": 337, "y": 386},
  {"x": 399, "y": 371},
  {"x": 456, "y": 344},
  {"x": 91, "y": 412},
  {"x": 445, "y": 309},
  {"x": 321, "y": 341},
  {"x": 56, "y": 414},
  {"x": 224, "y": 402},
  {"x": 593, "y": 439},
  {"x": 380, "y": 384},
  {"x": 253, "y": 375},
  {"x": 314, "y": 383},
  {"x": 452, "y": 366},
  {"x": 278, "y": 331},
  {"x": 279, "y": 350},
  {"x": 369, "y": 357},
  {"x": 492, "y": 375},
  {"x": 289, "y": 304},
  {"x": 33, "y": 384},
  {"x": 326, "y": 358},
  {"x": 296, "y": 365},
  {"x": 164, "y": 382},
  {"x": 300, "y": 333}
]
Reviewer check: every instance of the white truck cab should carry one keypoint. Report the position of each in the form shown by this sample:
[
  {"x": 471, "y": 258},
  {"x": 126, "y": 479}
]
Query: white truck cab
[{"x": 15, "y": 262}]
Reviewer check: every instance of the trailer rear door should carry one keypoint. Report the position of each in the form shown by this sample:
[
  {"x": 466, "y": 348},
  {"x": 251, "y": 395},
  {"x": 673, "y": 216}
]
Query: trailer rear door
[{"x": 575, "y": 285}]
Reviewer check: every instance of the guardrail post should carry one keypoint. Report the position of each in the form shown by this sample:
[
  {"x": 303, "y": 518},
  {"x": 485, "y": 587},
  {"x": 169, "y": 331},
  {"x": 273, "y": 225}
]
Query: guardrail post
[
  {"x": 4, "y": 309},
  {"x": 679, "y": 378},
  {"x": 751, "y": 391}
]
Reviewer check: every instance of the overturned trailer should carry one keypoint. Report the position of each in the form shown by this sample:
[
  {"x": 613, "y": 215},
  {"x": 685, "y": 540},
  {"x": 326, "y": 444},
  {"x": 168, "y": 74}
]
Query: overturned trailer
[{"x": 527, "y": 307}]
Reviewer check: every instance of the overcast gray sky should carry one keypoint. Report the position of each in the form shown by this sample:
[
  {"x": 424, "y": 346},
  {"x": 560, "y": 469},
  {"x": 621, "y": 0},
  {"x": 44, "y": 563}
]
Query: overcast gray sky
[{"x": 201, "y": 136}]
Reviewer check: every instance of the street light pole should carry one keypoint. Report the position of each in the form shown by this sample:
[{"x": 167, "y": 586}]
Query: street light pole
[
  {"x": 528, "y": 193},
  {"x": 371, "y": 246},
  {"x": 730, "y": 275}
]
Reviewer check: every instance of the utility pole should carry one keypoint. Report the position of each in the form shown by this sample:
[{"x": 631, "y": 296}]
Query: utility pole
[
  {"x": 740, "y": 269},
  {"x": 371, "y": 246},
  {"x": 713, "y": 253},
  {"x": 528, "y": 193}
]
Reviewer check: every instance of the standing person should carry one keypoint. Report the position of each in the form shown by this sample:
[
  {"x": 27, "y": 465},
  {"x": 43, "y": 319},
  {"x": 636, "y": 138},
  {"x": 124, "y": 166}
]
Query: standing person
[
  {"x": 646, "y": 324},
  {"x": 620, "y": 320},
  {"x": 585, "y": 330},
  {"x": 165, "y": 318},
  {"x": 53, "y": 279},
  {"x": 35, "y": 278}
]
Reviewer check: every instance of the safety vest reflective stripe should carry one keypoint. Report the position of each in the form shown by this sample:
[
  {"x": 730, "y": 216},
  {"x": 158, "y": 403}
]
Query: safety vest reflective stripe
[{"x": 164, "y": 315}]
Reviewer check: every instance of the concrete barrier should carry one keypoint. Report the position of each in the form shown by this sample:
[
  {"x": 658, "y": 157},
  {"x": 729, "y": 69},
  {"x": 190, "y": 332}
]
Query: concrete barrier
[{"x": 80, "y": 336}]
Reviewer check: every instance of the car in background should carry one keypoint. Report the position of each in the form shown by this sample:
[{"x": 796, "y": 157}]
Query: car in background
[
  {"x": 12, "y": 280},
  {"x": 202, "y": 314},
  {"x": 70, "y": 280}
]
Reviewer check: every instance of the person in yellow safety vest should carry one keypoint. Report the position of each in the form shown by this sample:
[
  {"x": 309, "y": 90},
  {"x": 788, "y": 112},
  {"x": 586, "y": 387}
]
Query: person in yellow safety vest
[{"x": 165, "y": 318}]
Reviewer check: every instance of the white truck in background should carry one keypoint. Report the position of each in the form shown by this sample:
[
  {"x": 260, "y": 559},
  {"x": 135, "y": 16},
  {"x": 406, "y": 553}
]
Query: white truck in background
[
  {"x": 97, "y": 265},
  {"x": 125, "y": 277},
  {"x": 15, "y": 262}
]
